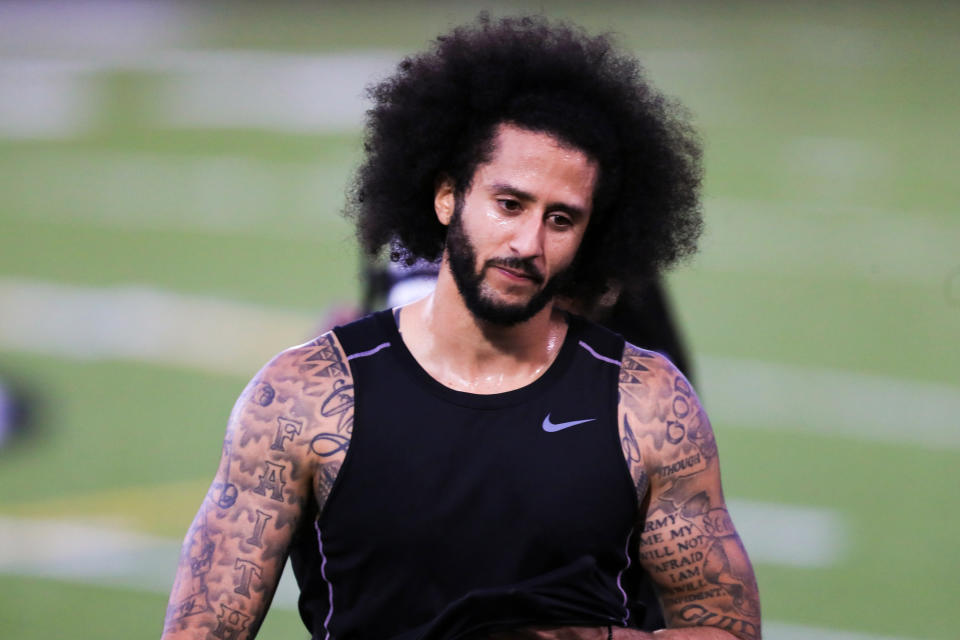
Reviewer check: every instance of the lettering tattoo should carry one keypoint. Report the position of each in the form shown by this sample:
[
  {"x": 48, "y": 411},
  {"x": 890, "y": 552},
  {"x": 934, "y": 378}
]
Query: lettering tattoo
[
  {"x": 692, "y": 597},
  {"x": 248, "y": 571},
  {"x": 339, "y": 404},
  {"x": 230, "y": 623},
  {"x": 681, "y": 406},
  {"x": 688, "y": 543},
  {"x": 697, "y": 614},
  {"x": 689, "y": 462},
  {"x": 286, "y": 430},
  {"x": 699, "y": 554},
  {"x": 271, "y": 481},
  {"x": 675, "y": 431},
  {"x": 681, "y": 386},
  {"x": 283, "y": 449},
  {"x": 258, "y": 528}
]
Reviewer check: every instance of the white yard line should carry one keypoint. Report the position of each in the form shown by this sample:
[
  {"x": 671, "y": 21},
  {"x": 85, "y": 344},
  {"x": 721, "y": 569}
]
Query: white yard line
[
  {"x": 91, "y": 553},
  {"x": 277, "y": 92},
  {"x": 97, "y": 553},
  {"x": 790, "y": 535},
  {"x": 210, "y": 89},
  {"x": 146, "y": 325},
  {"x": 150, "y": 325},
  {"x": 766, "y": 395},
  {"x": 118, "y": 27},
  {"x": 242, "y": 194},
  {"x": 226, "y": 194}
]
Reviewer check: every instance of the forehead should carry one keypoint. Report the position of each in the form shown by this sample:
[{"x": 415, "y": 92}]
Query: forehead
[{"x": 534, "y": 160}]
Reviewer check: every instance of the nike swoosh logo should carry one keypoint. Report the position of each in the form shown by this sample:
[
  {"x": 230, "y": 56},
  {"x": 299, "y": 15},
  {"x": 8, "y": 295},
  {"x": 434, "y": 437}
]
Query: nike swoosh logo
[{"x": 550, "y": 427}]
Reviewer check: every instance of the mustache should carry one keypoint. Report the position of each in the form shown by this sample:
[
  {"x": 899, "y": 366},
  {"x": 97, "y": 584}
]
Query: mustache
[{"x": 523, "y": 265}]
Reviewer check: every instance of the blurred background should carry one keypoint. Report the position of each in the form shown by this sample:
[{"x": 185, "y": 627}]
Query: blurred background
[{"x": 171, "y": 181}]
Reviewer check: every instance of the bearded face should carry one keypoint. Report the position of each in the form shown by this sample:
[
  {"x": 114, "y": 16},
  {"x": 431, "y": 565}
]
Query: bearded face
[{"x": 469, "y": 278}]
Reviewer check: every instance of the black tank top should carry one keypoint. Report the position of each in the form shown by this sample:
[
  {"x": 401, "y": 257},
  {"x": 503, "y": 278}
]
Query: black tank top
[{"x": 456, "y": 514}]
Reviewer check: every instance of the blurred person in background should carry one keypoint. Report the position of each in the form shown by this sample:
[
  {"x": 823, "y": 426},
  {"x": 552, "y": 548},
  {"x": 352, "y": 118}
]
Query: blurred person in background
[
  {"x": 482, "y": 462},
  {"x": 17, "y": 412}
]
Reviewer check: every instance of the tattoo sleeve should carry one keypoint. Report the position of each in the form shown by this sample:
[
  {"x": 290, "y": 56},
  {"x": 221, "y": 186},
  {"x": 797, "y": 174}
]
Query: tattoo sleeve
[
  {"x": 687, "y": 543},
  {"x": 285, "y": 441}
]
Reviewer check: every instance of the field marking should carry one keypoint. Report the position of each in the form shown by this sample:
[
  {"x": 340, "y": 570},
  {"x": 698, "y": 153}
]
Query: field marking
[
  {"x": 118, "y": 27},
  {"x": 265, "y": 90},
  {"x": 245, "y": 195},
  {"x": 785, "y": 535},
  {"x": 770, "y": 396},
  {"x": 45, "y": 104},
  {"x": 100, "y": 552},
  {"x": 145, "y": 324},
  {"x": 789, "y": 535},
  {"x": 221, "y": 193},
  {"x": 91, "y": 552},
  {"x": 209, "y": 89},
  {"x": 793, "y": 238}
]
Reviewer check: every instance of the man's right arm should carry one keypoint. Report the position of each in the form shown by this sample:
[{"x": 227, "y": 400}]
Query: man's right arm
[{"x": 286, "y": 438}]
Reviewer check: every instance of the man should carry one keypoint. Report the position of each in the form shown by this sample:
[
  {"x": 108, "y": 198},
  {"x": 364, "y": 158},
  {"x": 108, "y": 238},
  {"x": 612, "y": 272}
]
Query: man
[{"x": 480, "y": 463}]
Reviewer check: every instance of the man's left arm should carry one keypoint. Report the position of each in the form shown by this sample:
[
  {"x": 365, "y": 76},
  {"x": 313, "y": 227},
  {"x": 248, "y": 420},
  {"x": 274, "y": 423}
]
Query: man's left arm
[{"x": 687, "y": 541}]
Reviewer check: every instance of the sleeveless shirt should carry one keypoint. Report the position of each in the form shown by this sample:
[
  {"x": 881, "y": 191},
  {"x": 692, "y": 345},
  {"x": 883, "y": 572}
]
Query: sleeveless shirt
[{"x": 457, "y": 514}]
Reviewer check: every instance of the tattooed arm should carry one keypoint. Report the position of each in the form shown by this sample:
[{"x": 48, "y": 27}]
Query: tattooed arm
[
  {"x": 688, "y": 543},
  {"x": 286, "y": 437}
]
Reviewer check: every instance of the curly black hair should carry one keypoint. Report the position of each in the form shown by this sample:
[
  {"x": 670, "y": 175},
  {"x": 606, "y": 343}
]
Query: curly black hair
[{"x": 436, "y": 116}]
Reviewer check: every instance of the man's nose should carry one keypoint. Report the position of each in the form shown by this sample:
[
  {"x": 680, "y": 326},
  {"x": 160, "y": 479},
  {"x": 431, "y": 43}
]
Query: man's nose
[{"x": 528, "y": 235}]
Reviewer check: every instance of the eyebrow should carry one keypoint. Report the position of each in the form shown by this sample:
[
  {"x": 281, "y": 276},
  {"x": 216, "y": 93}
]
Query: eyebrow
[{"x": 520, "y": 194}]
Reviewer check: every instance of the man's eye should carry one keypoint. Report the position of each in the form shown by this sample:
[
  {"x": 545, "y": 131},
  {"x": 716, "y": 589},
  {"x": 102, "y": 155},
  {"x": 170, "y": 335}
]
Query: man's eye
[
  {"x": 559, "y": 220},
  {"x": 509, "y": 205}
]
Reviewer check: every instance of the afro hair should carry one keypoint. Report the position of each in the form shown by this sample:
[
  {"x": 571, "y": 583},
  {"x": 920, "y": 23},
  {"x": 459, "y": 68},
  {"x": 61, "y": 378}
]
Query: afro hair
[{"x": 437, "y": 115}]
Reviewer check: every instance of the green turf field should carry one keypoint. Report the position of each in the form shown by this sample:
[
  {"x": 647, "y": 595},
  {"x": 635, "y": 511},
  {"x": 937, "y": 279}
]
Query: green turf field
[{"x": 824, "y": 309}]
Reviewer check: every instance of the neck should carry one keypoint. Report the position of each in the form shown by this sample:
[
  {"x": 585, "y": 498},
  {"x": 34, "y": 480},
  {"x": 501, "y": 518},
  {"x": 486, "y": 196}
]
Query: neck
[{"x": 470, "y": 354}]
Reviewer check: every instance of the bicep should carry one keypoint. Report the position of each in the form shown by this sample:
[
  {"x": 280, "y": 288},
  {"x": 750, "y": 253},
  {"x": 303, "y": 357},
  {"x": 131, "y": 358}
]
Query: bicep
[
  {"x": 274, "y": 463},
  {"x": 687, "y": 541}
]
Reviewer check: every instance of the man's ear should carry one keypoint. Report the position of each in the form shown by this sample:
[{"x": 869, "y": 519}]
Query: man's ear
[{"x": 444, "y": 199}]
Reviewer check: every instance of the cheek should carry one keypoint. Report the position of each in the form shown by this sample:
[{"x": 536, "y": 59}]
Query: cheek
[
  {"x": 494, "y": 223},
  {"x": 564, "y": 250},
  {"x": 486, "y": 230}
]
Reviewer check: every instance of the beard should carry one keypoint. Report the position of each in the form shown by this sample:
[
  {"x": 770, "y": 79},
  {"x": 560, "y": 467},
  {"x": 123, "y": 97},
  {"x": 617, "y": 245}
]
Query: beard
[{"x": 469, "y": 280}]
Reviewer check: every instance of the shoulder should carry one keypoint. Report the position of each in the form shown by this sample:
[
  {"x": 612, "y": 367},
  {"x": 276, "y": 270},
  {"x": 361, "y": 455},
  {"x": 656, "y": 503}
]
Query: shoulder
[
  {"x": 321, "y": 358},
  {"x": 300, "y": 393},
  {"x": 302, "y": 370},
  {"x": 649, "y": 376},
  {"x": 660, "y": 411}
]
